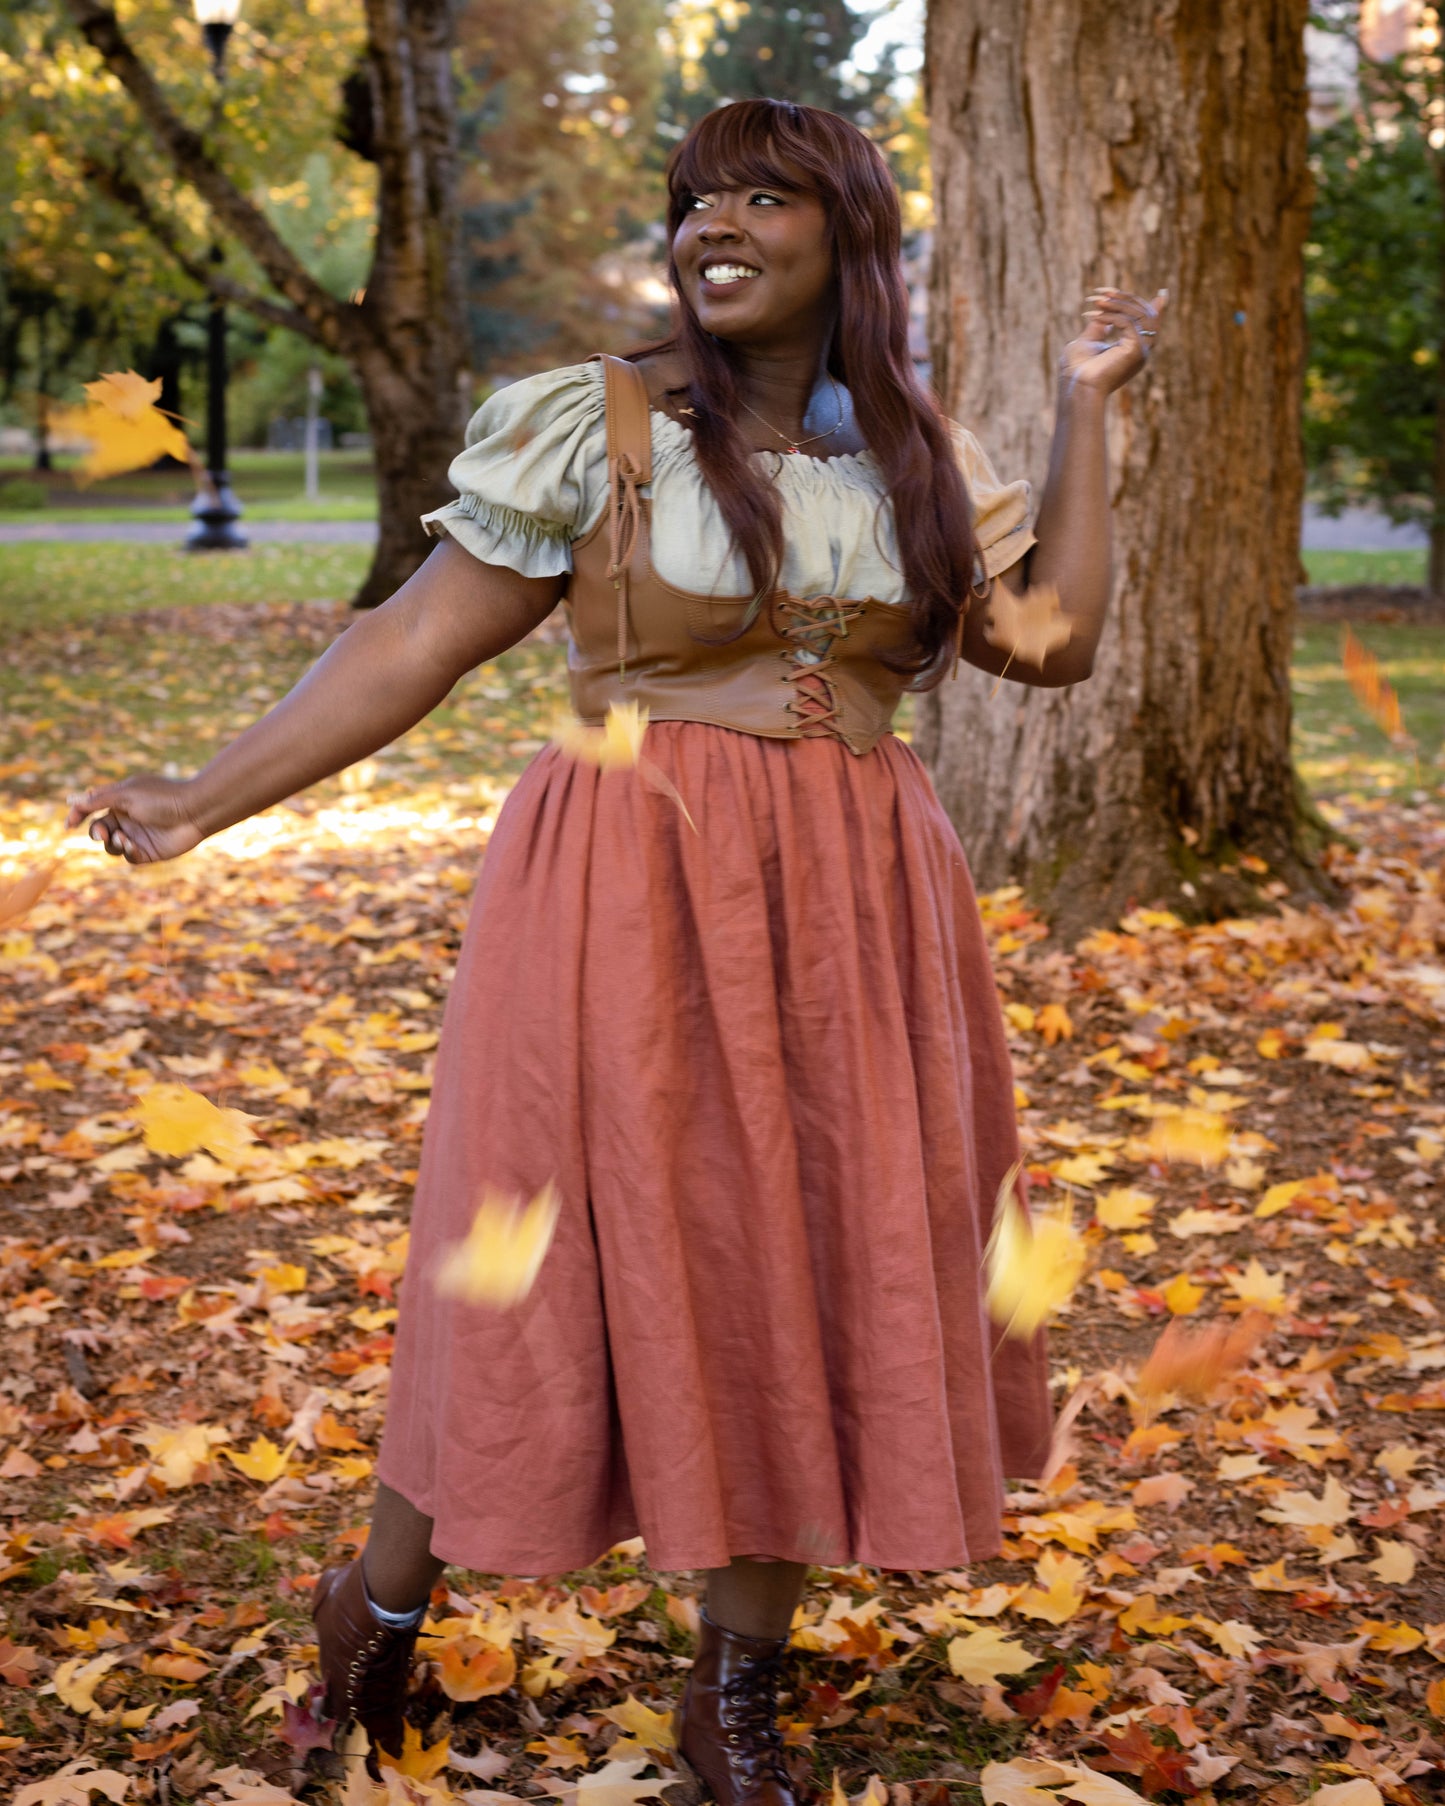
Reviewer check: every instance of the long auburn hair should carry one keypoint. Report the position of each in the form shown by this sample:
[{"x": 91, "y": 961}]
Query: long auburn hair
[{"x": 774, "y": 143}]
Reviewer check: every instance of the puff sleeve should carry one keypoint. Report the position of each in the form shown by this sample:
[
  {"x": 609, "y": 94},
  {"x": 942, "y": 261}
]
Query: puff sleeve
[
  {"x": 528, "y": 476},
  {"x": 1001, "y": 511}
]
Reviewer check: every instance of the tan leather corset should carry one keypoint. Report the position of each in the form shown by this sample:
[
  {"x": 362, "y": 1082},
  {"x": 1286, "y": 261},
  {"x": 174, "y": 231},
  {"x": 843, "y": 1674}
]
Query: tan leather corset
[{"x": 807, "y": 665}]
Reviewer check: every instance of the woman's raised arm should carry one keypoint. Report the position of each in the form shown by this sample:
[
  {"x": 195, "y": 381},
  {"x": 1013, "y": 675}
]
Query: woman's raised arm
[{"x": 390, "y": 668}]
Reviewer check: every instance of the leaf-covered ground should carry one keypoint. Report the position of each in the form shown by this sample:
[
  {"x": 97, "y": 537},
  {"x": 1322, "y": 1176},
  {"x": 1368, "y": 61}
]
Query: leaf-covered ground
[{"x": 1233, "y": 1599}]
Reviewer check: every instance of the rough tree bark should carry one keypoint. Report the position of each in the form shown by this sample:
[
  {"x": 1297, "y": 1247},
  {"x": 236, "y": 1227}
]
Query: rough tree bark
[
  {"x": 405, "y": 340},
  {"x": 1144, "y": 143}
]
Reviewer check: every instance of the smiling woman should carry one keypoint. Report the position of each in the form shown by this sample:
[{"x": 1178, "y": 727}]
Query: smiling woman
[{"x": 724, "y": 1001}]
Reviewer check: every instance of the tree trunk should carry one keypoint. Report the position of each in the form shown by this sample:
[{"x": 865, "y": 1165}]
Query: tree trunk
[
  {"x": 1147, "y": 144},
  {"x": 406, "y": 340}
]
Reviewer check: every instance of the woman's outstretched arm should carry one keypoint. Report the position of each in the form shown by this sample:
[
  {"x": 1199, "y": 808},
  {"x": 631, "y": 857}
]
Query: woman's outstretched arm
[
  {"x": 1075, "y": 544},
  {"x": 389, "y": 669}
]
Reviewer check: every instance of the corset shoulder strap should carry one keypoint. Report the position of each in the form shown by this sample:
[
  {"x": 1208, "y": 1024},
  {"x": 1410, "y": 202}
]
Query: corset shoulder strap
[{"x": 629, "y": 415}]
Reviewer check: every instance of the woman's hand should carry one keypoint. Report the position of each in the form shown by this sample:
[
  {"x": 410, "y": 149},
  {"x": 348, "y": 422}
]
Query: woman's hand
[
  {"x": 1116, "y": 343},
  {"x": 142, "y": 820}
]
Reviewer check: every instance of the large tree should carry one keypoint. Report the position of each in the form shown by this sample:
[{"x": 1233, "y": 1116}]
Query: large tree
[{"x": 1080, "y": 142}]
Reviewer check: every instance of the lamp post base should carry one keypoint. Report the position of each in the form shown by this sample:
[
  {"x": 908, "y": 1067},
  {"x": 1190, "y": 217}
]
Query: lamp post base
[{"x": 215, "y": 512}]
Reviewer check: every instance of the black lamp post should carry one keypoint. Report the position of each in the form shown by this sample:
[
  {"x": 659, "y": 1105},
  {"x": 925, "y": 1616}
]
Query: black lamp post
[{"x": 216, "y": 510}]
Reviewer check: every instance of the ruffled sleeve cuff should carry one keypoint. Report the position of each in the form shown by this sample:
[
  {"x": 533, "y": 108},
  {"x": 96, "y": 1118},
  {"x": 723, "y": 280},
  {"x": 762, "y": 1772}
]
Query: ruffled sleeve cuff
[
  {"x": 527, "y": 476},
  {"x": 1002, "y": 512}
]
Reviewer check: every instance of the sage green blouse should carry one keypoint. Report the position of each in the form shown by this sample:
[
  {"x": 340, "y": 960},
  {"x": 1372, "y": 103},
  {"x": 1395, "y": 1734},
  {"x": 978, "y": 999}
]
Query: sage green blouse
[{"x": 533, "y": 477}]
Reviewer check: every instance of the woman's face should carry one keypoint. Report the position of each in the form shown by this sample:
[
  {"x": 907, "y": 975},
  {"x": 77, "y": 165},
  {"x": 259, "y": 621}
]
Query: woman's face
[{"x": 779, "y": 233}]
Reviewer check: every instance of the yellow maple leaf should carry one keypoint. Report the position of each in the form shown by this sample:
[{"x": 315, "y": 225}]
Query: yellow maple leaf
[
  {"x": 1391, "y": 1639},
  {"x": 1032, "y": 1264},
  {"x": 75, "y": 1683},
  {"x": 180, "y": 1455},
  {"x": 1398, "y": 1460},
  {"x": 469, "y": 1668},
  {"x": 985, "y": 1653},
  {"x": 1124, "y": 1208},
  {"x": 177, "y": 1120},
  {"x": 416, "y": 1760},
  {"x": 653, "y": 1730},
  {"x": 124, "y": 427},
  {"x": 1022, "y": 1782},
  {"x": 1181, "y": 1296},
  {"x": 1144, "y": 1619},
  {"x": 1394, "y": 1562},
  {"x": 1028, "y": 627},
  {"x": 1270, "y": 1045},
  {"x": 502, "y": 1254},
  {"x": 1060, "y": 1590},
  {"x": 1200, "y": 1137},
  {"x": 1257, "y": 1288},
  {"x": 1055, "y": 1024},
  {"x": 1279, "y": 1197},
  {"x": 615, "y": 746},
  {"x": 263, "y": 1461},
  {"x": 1234, "y": 1637},
  {"x": 1303, "y": 1509}
]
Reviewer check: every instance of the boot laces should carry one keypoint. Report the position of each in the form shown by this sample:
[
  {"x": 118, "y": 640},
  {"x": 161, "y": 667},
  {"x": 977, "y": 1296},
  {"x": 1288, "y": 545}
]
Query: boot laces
[{"x": 752, "y": 1708}]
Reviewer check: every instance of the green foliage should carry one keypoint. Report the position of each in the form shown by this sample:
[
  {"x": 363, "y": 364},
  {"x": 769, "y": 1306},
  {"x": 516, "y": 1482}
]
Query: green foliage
[
  {"x": 21, "y": 493},
  {"x": 1376, "y": 313}
]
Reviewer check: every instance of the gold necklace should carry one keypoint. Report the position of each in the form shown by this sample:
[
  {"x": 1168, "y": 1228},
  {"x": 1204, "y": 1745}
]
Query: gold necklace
[{"x": 792, "y": 444}]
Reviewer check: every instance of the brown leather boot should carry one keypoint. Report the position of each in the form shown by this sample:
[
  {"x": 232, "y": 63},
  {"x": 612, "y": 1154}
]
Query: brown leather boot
[
  {"x": 727, "y": 1723},
  {"x": 364, "y": 1664}
]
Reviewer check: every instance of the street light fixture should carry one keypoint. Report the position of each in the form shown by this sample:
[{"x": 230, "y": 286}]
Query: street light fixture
[{"x": 216, "y": 510}]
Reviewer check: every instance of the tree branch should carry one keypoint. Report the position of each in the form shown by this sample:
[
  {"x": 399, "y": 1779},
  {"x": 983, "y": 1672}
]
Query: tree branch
[
  {"x": 127, "y": 193},
  {"x": 333, "y": 324}
]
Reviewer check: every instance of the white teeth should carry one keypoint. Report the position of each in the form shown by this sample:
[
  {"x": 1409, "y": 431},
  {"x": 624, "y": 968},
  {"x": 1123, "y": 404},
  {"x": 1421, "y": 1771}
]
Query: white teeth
[{"x": 728, "y": 272}]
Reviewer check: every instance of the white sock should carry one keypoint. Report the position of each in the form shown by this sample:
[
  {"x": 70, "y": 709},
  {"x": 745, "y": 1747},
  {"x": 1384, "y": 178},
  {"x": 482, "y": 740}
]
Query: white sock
[{"x": 392, "y": 1620}]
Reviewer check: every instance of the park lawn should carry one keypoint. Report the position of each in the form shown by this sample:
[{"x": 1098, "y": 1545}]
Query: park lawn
[
  {"x": 295, "y": 968},
  {"x": 1335, "y": 568},
  {"x": 269, "y": 486}
]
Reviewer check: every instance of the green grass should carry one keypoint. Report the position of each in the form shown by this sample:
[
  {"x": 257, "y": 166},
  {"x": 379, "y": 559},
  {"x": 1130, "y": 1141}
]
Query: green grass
[
  {"x": 50, "y": 583},
  {"x": 1365, "y": 567},
  {"x": 1337, "y": 745},
  {"x": 269, "y": 485}
]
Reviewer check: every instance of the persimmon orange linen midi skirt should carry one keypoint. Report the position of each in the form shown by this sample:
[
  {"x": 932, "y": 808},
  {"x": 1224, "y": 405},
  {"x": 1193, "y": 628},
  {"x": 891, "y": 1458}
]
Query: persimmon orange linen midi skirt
[{"x": 764, "y": 1065}]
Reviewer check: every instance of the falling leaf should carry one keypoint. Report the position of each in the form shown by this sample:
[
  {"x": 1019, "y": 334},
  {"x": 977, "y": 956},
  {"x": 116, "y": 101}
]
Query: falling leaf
[
  {"x": 1027, "y": 627},
  {"x": 502, "y": 1254},
  {"x": 1198, "y": 1137},
  {"x": 124, "y": 427},
  {"x": 1378, "y": 699},
  {"x": 615, "y": 746},
  {"x": 1033, "y": 1262},
  {"x": 177, "y": 1120},
  {"x": 1195, "y": 1362},
  {"x": 22, "y": 891},
  {"x": 985, "y": 1653}
]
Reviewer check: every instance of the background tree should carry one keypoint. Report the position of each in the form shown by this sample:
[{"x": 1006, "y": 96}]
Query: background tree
[
  {"x": 1375, "y": 289},
  {"x": 373, "y": 90},
  {"x": 1110, "y": 141}
]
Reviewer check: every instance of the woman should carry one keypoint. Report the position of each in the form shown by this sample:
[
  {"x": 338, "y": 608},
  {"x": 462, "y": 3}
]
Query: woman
[{"x": 754, "y": 1043}]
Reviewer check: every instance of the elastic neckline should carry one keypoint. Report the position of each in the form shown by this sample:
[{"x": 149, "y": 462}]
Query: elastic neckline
[{"x": 672, "y": 436}]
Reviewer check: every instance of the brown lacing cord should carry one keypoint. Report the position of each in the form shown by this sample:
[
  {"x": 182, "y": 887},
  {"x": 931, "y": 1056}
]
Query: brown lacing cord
[
  {"x": 623, "y": 526},
  {"x": 816, "y": 626},
  {"x": 752, "y": 1695},
  {"x": 975, "y": 594}
]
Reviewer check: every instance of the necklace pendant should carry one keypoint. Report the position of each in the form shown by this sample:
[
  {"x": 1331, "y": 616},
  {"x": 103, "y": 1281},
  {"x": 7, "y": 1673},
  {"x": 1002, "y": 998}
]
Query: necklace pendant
[{"x": 792, "y": 448}]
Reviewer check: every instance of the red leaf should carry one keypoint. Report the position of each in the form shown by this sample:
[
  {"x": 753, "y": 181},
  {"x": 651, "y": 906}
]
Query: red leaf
[
  {"x": 303, "y": 1726},
  {"x": 1034, "y": 1701}
]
